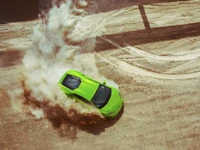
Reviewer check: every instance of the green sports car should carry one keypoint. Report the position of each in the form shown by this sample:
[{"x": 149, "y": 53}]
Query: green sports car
[{"x": 105, "y": 98}]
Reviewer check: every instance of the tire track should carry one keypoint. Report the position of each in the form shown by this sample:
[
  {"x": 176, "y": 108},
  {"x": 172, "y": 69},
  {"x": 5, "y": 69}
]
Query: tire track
[
  {"x": 190, "y": 65},
  {"x": 137, "y": 70},
  {"x": 178, "y": 57}
]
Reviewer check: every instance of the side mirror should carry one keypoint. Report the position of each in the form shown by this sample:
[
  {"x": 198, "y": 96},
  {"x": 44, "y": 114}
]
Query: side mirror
[{"x": 104, "y": 82}]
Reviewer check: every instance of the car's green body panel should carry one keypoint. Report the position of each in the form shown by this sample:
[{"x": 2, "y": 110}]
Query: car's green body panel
[
  {"x": 114, "y": 105},
  {"x": 87, "y": 90}
]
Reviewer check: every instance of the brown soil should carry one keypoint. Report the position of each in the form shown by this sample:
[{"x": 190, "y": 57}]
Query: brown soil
[{"x": 154, "y": 57}]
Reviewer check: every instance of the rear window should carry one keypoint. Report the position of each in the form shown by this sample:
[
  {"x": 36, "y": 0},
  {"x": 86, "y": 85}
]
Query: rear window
[
  {"x": 101, "y": 96},
  {"x": 71, "y": 82}
]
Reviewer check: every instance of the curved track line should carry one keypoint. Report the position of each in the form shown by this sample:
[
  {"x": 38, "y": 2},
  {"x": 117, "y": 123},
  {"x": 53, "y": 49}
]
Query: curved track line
[
  {"x": 197, "y": 50},
  {"x": 100, "y": 25},
  {"x": 187, "y": 56},
  {"x": 184, "y": 66},
  {"x": 133, "y": 69}
]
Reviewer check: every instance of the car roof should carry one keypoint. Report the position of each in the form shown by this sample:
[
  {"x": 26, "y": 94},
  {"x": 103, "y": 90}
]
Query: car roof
[
  {"x": 87, "y": 87},
  {"x": 80, "y": 75}
]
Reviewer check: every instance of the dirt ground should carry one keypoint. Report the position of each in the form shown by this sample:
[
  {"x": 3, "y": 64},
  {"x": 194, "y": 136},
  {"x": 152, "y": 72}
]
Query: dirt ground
[{"x": 151, "y": 50}]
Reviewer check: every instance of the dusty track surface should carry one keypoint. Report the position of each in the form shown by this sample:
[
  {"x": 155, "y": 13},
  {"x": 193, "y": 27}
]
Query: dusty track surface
[{"x": 152, "y": 51}]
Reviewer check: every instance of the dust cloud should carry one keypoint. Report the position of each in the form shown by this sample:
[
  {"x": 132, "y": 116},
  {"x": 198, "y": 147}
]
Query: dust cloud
[{"x": 55, "y": 50}]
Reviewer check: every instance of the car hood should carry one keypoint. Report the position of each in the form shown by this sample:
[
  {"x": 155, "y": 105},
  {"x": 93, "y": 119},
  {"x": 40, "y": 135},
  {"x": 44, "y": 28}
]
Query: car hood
[{"x": 114, "y": 105}]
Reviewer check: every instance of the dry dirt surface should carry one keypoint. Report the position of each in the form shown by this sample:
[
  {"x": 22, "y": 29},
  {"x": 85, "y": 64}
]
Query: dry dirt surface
[{"x": 151, "y": 49}]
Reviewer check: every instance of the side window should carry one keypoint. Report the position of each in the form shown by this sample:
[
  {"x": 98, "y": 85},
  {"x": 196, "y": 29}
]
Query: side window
[{"x": 71, "y": 82}]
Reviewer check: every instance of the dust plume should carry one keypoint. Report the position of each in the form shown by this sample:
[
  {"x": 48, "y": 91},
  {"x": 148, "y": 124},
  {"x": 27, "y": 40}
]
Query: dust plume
[{"x": 55, "y": 50}]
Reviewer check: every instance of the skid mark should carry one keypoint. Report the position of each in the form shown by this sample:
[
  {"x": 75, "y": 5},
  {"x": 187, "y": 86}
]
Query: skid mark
[
  {"x": 186, "y": 66},
  {"x": 87, "y": 29},
  {"x": 137, "y": 70},
  {"x": 19, "y": 42},
  {"x": 178, "y": 57}
]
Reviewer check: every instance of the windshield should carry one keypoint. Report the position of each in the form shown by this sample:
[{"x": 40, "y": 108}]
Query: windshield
[
  {"x": 71, "y": 82},
  {"x": 101, "y": 97}
]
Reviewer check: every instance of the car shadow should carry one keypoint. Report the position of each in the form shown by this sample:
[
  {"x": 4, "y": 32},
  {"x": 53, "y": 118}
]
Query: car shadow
[
  {"x": 68, "y": 123},
  {"x": 68, "y": 128},
  {"x": 100, "y": 127}
]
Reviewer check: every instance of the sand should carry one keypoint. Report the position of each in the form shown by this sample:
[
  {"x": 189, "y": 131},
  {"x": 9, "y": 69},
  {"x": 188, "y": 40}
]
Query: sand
[{"x": 151, "y": 50}]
